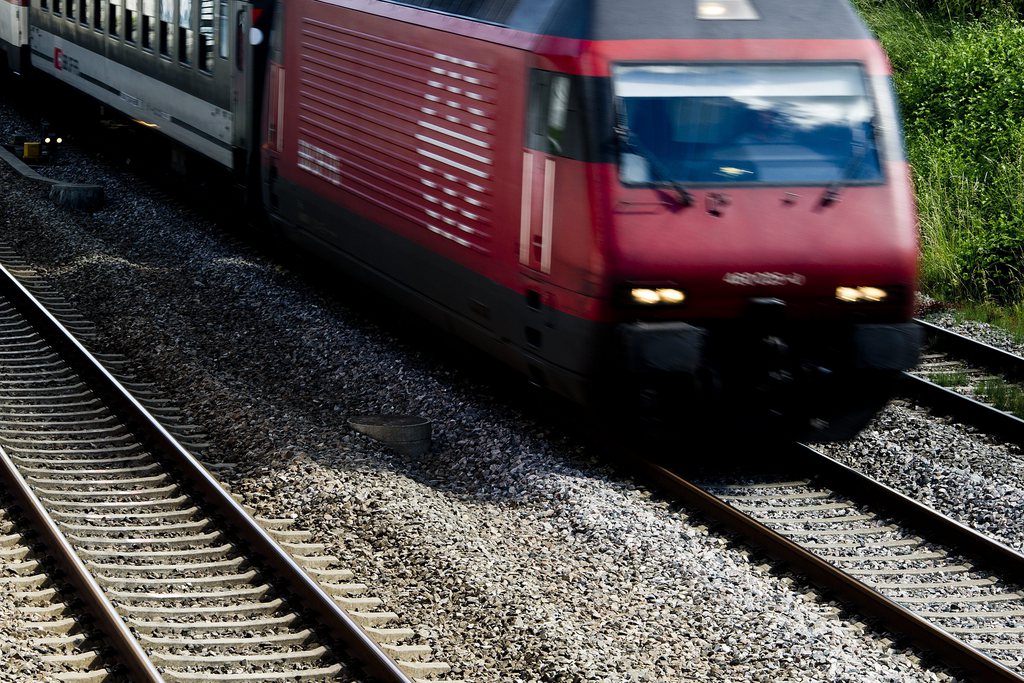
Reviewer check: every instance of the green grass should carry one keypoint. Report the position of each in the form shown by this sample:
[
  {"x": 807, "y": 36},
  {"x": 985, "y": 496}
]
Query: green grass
[
  {"x": 1007, "y": 397},
  {"x": 949, "y": 380},
  {"x": 959, "y": 72},
  {"x": 1009, "y": 318}
]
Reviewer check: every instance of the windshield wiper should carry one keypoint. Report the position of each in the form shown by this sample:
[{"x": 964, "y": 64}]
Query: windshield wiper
[
  {"x": 833, "y": 191},
  {"x": 681, "y": 195}
]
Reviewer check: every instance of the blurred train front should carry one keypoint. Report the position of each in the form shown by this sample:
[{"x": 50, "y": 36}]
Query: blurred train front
[{"x": 760, "y": 234}]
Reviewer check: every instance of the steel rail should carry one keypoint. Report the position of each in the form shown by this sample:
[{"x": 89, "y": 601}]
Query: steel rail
[
  {"x": 127, "y": 647},
  {"x": 964, "y": 408},
  {"x": 1001, "y": 558},
  {"x": 278, "y": 564},
  {"x": 974, "y": 351},
  {"x": 950, "y": 649},
  {"x": 958, "y": 406}
]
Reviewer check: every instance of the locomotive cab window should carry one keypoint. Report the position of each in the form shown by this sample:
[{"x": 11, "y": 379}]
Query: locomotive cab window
[{"x": 806, "y": 124}]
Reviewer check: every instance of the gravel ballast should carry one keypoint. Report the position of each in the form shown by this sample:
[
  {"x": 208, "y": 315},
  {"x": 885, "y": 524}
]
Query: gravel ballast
[
  {"x": 946, "y": 465},
  {"x": 509, "y": 548},
  {"x": 980, "y": 331}
]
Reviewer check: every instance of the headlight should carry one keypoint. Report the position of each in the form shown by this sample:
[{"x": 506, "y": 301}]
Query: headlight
[
  {"x": 855, "y": 294},
  {"x": 652, "y": 297}
]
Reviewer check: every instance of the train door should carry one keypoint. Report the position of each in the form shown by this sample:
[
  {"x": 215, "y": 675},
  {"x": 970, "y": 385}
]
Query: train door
[
  {"x": 252, "y": 21},
  {"x": 273, "y": 114},
  {"x": 548, "y": 116},
  {"x": 241, "y": 80},
  {"x": 14, "y": 34}
]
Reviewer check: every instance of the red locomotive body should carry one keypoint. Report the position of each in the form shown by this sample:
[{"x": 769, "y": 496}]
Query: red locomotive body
[
  {"x": 663, "y": 204},
  {"x": 660, "y": 196}
]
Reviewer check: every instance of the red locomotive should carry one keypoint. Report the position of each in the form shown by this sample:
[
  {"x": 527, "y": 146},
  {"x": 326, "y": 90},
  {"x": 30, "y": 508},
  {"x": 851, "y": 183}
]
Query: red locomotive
[{"x": 703, "y": 202}]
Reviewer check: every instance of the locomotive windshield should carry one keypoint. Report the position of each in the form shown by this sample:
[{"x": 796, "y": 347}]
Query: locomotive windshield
[{"x": 806, "y": 124}]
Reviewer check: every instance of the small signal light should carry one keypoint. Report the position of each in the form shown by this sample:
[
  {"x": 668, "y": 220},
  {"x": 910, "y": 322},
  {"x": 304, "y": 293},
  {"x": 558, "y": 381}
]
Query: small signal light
[
  {"x": 711, "y": 10},
  {"x": 726, "y": 9}
]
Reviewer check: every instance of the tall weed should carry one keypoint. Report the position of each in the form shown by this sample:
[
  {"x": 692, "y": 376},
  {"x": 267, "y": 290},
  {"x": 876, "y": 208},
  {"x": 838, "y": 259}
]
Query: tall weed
[
  {"x": 956, "y": 9},
  {"x": 959, "y": 70}
]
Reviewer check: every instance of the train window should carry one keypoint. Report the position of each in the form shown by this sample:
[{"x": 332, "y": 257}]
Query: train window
[
  {"x": 558, "y": 111},
  {"x": 240, "y": 42},
  {"x": 97, "y": 14},
  {"x": 69, "y": 10},
  {"x": 114, "y": 18},
  {"x": 43, "y": 5},
  {"x": 166, "y": 19},
  {"x": 131, "y": 19},
  {"x": 222, "y": 39},
  {"x": 148, "y": 23},
  {"x": 492, "y": 11},
  {"x": 56, "y": 6},
  {"x": 555, "y": 114},
  {"x": 83, "y": 5},
  {"x": 206, "y": 35},
  {"x": 185, "y": 32},
  {"x": 784, "y": 124}
]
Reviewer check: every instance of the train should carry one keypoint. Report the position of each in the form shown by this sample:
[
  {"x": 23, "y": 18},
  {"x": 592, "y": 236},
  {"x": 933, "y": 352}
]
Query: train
[{"x": 697, "y": 210}]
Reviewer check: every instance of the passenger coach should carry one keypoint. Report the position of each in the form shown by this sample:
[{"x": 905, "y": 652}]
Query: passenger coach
[{"x": 185, "y": 67}]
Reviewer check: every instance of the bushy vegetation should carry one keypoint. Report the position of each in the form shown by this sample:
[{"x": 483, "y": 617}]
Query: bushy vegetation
[
  {"x": 1010, "y": 318},
  {"x": 963, "y": 9},
  {"x": 959, "y": 68}
]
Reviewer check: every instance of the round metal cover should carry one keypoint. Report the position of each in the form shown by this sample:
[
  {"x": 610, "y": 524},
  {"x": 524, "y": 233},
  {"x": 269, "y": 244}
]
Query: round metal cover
[{"x": 409, "y": 434}]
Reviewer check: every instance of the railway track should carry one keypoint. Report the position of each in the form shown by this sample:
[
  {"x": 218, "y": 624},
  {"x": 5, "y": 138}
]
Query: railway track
[
  {"x": 976, "y": 383},
  {"x": 182, "y": 582},
  {"x": 57, "y": 639},
  {"x": 949, "y": 589},
  {"x": 200, "y": 580}
]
